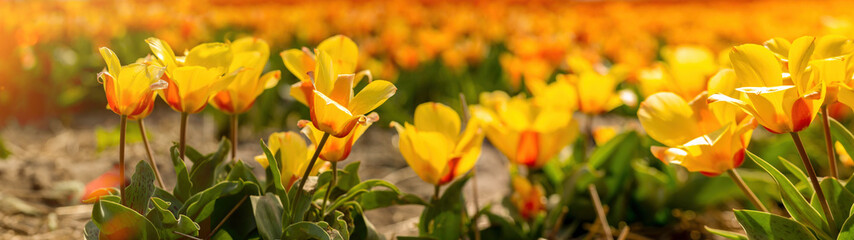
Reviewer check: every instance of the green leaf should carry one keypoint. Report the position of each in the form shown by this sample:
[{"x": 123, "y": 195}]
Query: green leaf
[
  {"x": 727, "y": 234},
  {"x": 360, "y": 189},
  {"x": 842, "y": 135},
  {"x": 363, "y": 229},
  {"x": 90, "y": 231},
  {"x": 847, "y": 231},
  {"x": 277, "y": 179},
  {"x": 200, "y": 206},
  {"x": 839, "y": 200},
  {"x": 141, "y": 188},
  {"x": 614, "y": 157},
  {"x": 795, "y": 203},
  {"x": 268, "y": 215},
  {"x": 241, "y": 171},
  {"x": 303, "y": 204},
  {"x": 305, "y": 230},
  {"x": 119, "y": 222},
  {"x": 193, "y": 155},
  {"x": 451, "y": 201},
  {"x": 183, "y": 185},
  {"x": 174, "y": 203},
  {"x": 165, "y": 221},
  {"x": 340, "y": 224},
  {"x": 203, "y": 174},
  {"x": 385, "y": 198},
  {"x": 803, "y": 182},
  {"x": 4, "y": 152},
  {"x": 762, "y": 225}
]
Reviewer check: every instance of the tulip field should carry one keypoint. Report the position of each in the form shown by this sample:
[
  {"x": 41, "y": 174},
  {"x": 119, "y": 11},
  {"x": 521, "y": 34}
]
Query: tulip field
[{"x": 426, "y": 119}]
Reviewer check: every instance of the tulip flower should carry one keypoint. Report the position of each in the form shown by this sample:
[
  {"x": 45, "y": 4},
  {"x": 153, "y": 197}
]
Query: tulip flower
[
  {"x": 130, "y": 93},
  {"x": 528, "y": 199},
  {"x": 529, "y": 132},
  {"x": 341, "y": 49},
  {"x": 782, "y": 103},
  {"x": 684, "y": 71},
  {"x": 250, "y": 56},
  {"x": 295, "y": 156},
  {"x": 193, "y": 79},
  {"x": 434, "y": 145},
  {"x": 338, "y": 149},
  {"x": 596, "y": 92}
]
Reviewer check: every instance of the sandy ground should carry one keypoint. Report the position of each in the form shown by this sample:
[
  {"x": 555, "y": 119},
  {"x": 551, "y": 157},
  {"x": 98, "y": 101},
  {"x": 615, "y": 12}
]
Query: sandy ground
[{"x": 42, "y": 179}]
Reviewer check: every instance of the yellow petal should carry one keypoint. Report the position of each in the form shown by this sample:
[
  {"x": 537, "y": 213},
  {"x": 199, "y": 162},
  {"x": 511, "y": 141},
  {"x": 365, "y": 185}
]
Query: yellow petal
[
  {"x": 270, "y": 79},
  {"x": 756, "y": 66},
  {"x": 662, "y": 112},
  {"x": 799, "y": 58},
  {"x": 724, "y": 82},
  {"x": 343, "y": 51},
  {"x": 780, "y": 47},
  {"x": 329, "y": 116},
  {"x": 831, "y": 46},
  {"x": 163, "y": 52},
  {"x": 846, "y": 96},
  {"x": 324, "y": 73},
  {"x": 372, "y": 96},
  {"x": 436, "y": 117},
  {"x": 298, "y": 63},
  {"x": 113, "y": 64},
  {"x": 210, "y": 55},
  {"x": 255, "y": 46},
  {"x": 342, "y": 91},
  {"x": 419, "y": 164}
]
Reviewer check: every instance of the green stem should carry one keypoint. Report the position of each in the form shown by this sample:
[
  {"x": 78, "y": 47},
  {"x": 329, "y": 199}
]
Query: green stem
[
  {"x": 227, "y": 216},
  {"x": 600, "y": 211},
  {"x": 182, "y": 143},
  {"x": 818, "y": 192},
  {"x": 123, "y": 126},
  {"x": 747, "y": 192},
  {"x": 332, "y": 184},
  {"x": 831, "y": 155},
  {"x": 150, "y": 154},
  {"x": 436, "y": 193},
  {"x": 308, "y": 171}
]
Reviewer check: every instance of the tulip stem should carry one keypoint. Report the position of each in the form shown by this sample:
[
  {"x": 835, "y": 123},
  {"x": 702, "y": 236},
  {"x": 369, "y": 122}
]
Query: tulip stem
[
  {"x": 233, "y": 137},
  {"x": 600, "y": 211},
  {"x": 808, "y": 165},
  {"x": 182, "y": 143},
  {"x": 332, "y": 184},
  {"x": 466, "y": 118},
  {"x": 150, "y": 154},
  {"x": 747, "y": 192},
  {"x": 831, "y": 155},
  {"x": 228, "y": 215},
  {"x": 436, "y": 193},
  {"x": 308, "y": 171},
  {"x": 122, "y": 127}
]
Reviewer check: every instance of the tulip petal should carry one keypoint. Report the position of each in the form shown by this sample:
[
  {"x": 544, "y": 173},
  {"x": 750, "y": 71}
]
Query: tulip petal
[
  {"x": 780, "y": 47},
  {"x": 371, "y": 97},
  {"x": 846, "y": 96},
  {"x": 756, "y": 66},
  {"x": 831, "y": 46},
  {"x": 271, "y": 79},
  {"x": 436, "y": 117},
  {"x": 799, "y": 58},
  {"x": 324, "y": 73},
  {"x": 343, "y": 51},
  {"x": 163, "y": 52},
  {"x": 210, "y": 55},
  {"x": 662, "y": 112},
  {"x": 113, "y": 64},
  {"x": 302, "y": 91},
  {"x": 342, "y": 91},
  {"x": 298, "y": 63}
]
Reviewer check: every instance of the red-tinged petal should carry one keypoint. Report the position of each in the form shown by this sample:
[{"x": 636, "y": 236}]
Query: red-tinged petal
[
  {"x": 801, "y": 115},
  {"x": 222, "y": 101},
  {"x": 451, "y": 171},
  {"x": 710, "y": 174},
  {"x": 109, "y": 179},
  {"x": 738, "y": 158},
  {"x": 110, "y": 91},
  {"x": 172, "y": 97},
  {"x": 528, "y": 149}
]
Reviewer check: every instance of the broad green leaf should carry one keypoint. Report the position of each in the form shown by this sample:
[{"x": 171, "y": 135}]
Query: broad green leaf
[
  {"x": 268, "y": 215},
  {"x": 333, "y": 233},
  {"x": 447, "y": 225},
  {"x": 174, "y": 203},
  {"x": 90, "y": 231},
  {"x": 166, "y": 222},
  {"x": 614, "y": 158},
  {"x": 803, "y": 182},
  {"x": 762, "y": 225},
  {"x": 119, "y": 222},
  {"x": 385, "y": 198},
  {"x": 838, "y": 198},
  {"x": 847, "y": 231},
  {"x": 451, "y": 201},
  {"x": 277, "y": 179},
  {"x": 363, "y": 229},
  {"x": 193, "y": 155},
  {"x": 141, "y": 188},
  {"x": 795, "y": 203},
  {"x": 360, "y": 189},
  {"x": 842, "y": 135},
  {"x": 183, "y": 185},
  {"x": 505, "y": 228},
  {"x": 203, "y": 173},
  {"x": 305, "y": 230},
  {"x": 200, "y": 205},
  {"x": 726, "y": 234},
  {"x": 303, "y": 204},
  {"x": 340, "y": 224},
  {"x": 241, "y": 171}
]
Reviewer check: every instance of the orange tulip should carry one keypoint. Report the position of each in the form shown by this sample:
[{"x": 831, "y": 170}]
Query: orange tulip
[
  {"x": 250, "y": 56},
  {"x": 338, "y": 149},
  {"x": 130, "y": 89},
  {"x": 528, "y": 199}
]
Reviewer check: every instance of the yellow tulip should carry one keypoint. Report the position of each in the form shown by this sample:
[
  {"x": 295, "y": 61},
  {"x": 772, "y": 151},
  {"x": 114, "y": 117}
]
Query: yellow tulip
[
  {"x": 338, "y": 149},
  {"x": 700, "y": 138},
  {"x": 529, "y": 131},
  {"x": 780, "y": 103},
  {"x": 295, "y": 156},
  {"x": 195, "y": 78},
  {"x": 130, "y": 89},
  {"x": 341, "y": 49},
  {"x": 250, "y": 56},
  {"x": 684, "y": 71},
  {"x": 528, "y": 199},
  {"x": 596, "y": 93},
  {"x": 829, "y": 60},
  {"x": 434, "y": 147}
]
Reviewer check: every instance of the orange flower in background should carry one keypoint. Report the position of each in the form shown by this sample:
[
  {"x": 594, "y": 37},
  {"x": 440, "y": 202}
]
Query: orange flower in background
[
  {"x": 684, "y": 71},
  {"x": 295, "y": 156},
  {"x": 130, "y": 89},
  {"x": 528, "y": 199},
  {"x": 435, "y": 147},
  {"x": 338, "y": 149},
  {"x": 250, "y": 56},
  {"x": 529, "y": 132},
  {"x": 195, "y": 78}
]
